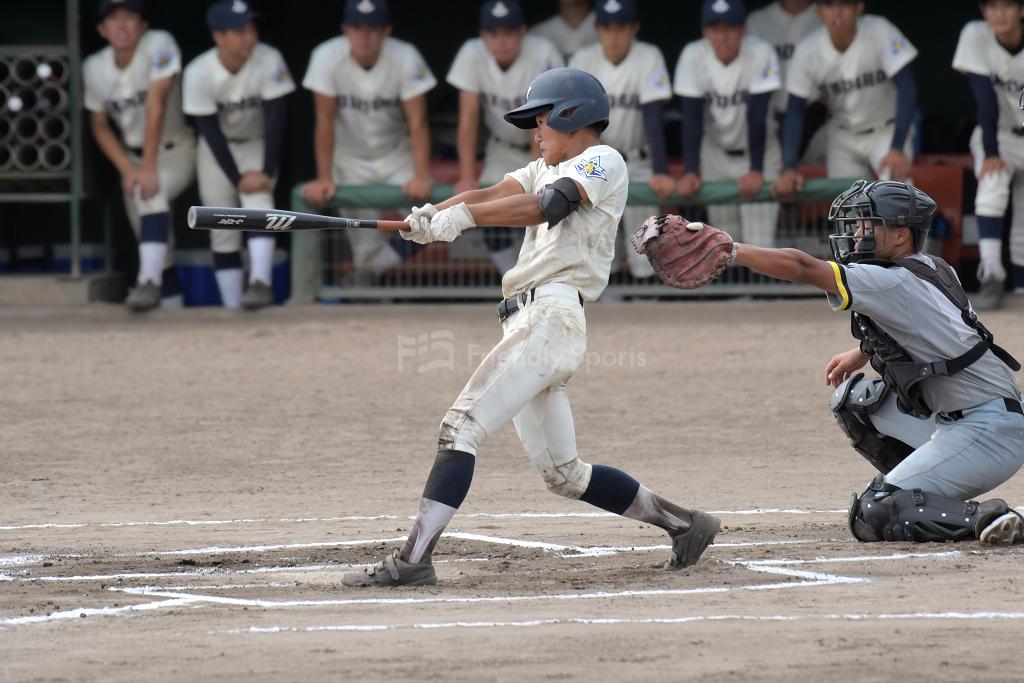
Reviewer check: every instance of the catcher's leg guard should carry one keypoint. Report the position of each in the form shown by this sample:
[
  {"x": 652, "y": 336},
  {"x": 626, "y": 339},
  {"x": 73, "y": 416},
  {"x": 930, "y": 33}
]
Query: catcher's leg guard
[
  {"x": 852, "y": 404},
  {"x": 887, "y": 513}
]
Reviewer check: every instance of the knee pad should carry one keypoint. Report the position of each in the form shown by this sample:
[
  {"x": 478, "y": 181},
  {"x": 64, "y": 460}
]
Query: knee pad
[
  {"x": 888, "y": 513},
  {"x": 852, "y": 404},
  {"x": 569, "y": 480}
]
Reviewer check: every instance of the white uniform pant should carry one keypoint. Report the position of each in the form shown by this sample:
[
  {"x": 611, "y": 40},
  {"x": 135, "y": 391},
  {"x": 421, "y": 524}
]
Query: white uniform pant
[
  {"x": 858, "y": 154},
  {"x": 752, "y": 223},
  {"x": 215, "y": 189},
  {"x": 523, "y": 379},
  {"x": 176, "y": 168},
  {"x": 395, "y": 168},
  {"x": 996, "y": 189}
]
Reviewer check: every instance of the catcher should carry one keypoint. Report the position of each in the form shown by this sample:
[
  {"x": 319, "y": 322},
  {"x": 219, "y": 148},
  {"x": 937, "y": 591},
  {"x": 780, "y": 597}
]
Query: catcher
[
  {"x": 944, "y": 422},
  {"x": 569, "y": 201}
]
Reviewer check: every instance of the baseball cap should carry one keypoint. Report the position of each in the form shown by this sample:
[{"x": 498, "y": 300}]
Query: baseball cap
[
  {"x": 623, "y": 11},
  {"x": 108, "y": 6},
  {"x": 372, "y": 12},
  {"x": 227, "y": 14},
  {"x": 732, "y": 12},
  {"x": 501, "y": 13}
]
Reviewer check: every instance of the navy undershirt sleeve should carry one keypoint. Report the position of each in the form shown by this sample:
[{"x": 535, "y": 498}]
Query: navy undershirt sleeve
[
  {"x": 693, "y": 131},
  {"x": 792, "y": 131},
  {"x": 273, "y": 134},
  {"x": 654, "y": 132},
  {"x": 988, "y": 111},
  {"x": 906, "y": 100},
  {"x": 209, "y": 128},
  {"x": 757, "y": 128}
]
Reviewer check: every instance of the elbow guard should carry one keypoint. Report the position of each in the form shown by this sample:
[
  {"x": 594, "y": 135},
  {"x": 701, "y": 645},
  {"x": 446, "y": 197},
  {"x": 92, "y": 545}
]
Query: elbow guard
[{"x": 558, "y": 200}]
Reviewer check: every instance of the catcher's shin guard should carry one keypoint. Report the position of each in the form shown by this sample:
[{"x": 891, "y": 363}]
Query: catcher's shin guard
[
  {"x": 852, "y": 403},
  {"x": 887, "y": 513}
]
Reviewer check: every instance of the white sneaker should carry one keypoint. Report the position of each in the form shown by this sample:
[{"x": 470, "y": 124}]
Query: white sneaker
[{"x": 1004, "y": 530}]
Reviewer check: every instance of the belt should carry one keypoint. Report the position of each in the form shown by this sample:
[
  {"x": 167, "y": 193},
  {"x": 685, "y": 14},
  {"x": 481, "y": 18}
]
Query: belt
[
  {"x": 1012, "y": 406},
  {"x": 509, "y": 306},
  {"x": 138, "y": 150},
  {"x": 868, "y": 131},
  {"x": 1019, "y": 132},
  {"x": 735, "y": 152}
]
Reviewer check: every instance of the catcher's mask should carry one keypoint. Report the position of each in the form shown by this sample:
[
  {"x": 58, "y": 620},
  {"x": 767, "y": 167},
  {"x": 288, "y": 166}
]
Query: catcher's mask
[{"x": 857, "y": 213}]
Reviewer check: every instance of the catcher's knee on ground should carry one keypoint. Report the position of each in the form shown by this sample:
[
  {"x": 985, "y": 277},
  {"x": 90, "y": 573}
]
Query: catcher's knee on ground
[
  {"x": 887, "y": 513},
  {"x": 852, "y": 403}
]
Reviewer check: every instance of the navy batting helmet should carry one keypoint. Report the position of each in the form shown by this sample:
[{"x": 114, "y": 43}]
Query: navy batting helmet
[
  {"x": 867, "y": 206},
  {"x": 575, "y": 99}
]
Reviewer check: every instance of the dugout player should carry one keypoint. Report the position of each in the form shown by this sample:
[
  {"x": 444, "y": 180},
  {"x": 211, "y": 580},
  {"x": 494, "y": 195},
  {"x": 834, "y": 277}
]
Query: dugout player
[
  {"x": 490, "y": 72},
  {"x": 369, "y": 93},
  {"x": 861, "y": 65},
  {"x": 569, "y": 201},
  {"x": 133, "y": 83},
  {"x": 572, "y": 29},
  {"x": 726, "y": 81},
  {"x": 236, "y": 92},
  {"x": 990, "y": 53},
  {"x": 636, "y": 79},
  {"x": 944, "y": 424}
]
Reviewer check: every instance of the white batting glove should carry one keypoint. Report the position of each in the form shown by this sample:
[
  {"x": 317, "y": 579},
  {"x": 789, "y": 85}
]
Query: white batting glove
[
  {"x": 448, "y": 224},
  {"x": 419, "y": 220}
]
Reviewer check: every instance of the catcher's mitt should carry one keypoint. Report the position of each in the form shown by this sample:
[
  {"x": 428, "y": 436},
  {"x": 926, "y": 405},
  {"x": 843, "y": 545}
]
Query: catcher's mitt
[{"x": 685, "y": 255}]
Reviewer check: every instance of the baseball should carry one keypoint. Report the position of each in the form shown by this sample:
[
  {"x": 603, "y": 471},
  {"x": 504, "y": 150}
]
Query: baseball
[
  {"x": 44, "y": 70},
  {"x": 697, "y": 225},
  {"x": 14, "y": 104}
]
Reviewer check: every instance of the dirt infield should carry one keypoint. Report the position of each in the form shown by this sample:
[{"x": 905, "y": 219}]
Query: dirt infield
[{"x": 180, "y": 494}]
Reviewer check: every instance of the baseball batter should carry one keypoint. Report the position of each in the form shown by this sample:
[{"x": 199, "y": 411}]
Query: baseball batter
[
  {"x": 944, "y": 423},
  {"x": 571, "y": 30},
  {"x": 488, "y": 72},
  {"x": 860, "y": 63},
  {"x": 989, "y": 53},
  {"x": 370, "y": 95},
  {"x": 636, "y": 79},
  {"x": 570, "y": 201},
  {"x": 726, "y": 81},
  {"x": 133, "y": 83},
  {"x": 236, "y": 92}
]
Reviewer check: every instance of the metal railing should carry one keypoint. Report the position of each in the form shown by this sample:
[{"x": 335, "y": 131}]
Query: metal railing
[{"x": 321, "y": 267}]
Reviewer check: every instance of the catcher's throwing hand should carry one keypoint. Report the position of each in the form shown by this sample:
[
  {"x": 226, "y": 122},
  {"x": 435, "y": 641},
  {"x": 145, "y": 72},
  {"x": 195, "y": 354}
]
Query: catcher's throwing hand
[{"x": 684, "y": 254}]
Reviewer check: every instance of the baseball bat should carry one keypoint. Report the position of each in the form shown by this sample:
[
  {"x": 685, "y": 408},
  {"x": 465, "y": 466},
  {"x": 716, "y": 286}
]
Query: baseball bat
[{"x": 273, "y": 220}]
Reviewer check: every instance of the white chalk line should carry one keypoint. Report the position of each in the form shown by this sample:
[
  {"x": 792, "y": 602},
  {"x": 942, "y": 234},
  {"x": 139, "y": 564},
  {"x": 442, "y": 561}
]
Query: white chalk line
[
  {"x": 629, "y": 621},
  {"x": 365, "y": 518}
]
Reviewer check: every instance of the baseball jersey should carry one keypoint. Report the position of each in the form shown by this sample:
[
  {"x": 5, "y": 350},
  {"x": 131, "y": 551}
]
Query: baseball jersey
[
  {"x": 928, "y": 326},
  {"x": 639, "y": 79},
  {"x": 978, "y": 52},
  {"x": 121, "y": 93},
  {"x": 579, "y": 250},
  {"x": 566, "y": 38},
  {"x": 475, "y": 70},
  {"x": 725, "y": 88},
  {"x": 370, "y": 120},
  {"x": 856, "y": 82},
  {"x": 783, "y": 31},
  {"x": 237, "y": 98}
]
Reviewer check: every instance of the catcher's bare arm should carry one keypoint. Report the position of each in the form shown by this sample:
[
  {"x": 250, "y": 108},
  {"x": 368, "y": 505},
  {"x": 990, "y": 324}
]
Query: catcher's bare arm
[{"x": 789, "y": 264}]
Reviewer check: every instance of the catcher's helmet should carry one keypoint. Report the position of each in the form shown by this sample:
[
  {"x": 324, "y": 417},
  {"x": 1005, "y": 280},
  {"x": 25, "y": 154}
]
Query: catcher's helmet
[
  {"x": 575, "y": 99},
  {"x": 867, "y": 205}
]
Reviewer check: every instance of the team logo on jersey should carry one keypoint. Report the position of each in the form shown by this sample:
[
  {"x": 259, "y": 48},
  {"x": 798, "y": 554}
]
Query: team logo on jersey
[
  {"x": 660, "y": 79},
  {"x": 420, "y": 72},
  {"x": 896, "y": 46},
  {"x": 366, "y": 7},
  {"x": 279, "y": 221},
  {"x": 591, "y": 168},
  {"x": 230, "y": 221},
  {"x": 720, "y": 6},
  {"x": 163, "y": 59},
  {"x": 239, "y": 7},
  {"x": 281, "y": 75},
  {"x": 500, "y": 10},
  {"x": 769, "y": 71},
  {"x": 611, "y": 7}
]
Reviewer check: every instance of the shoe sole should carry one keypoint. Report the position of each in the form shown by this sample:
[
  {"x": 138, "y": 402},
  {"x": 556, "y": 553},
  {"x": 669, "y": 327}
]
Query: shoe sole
[
  {"x": 1003, "y": 531},
  {"x": 361, "y": 580},
  {"x": 706, "y": 527}
]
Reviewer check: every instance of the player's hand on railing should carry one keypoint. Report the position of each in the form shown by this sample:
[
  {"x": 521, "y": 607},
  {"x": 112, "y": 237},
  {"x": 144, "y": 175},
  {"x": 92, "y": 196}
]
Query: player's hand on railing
[
  {"x": 750, "y": 184},
  {"x": 417, "y": 189},
  {"x": 148, "y": 182},
  {"x": 318, "y": 192},
  {"x": 663, "y": 186},
  {"x": 465, "y": 185},
  {"x": 688, "y": 185},
  {"x": 991, "y": 165},
  {"x": 254, "y": 181},
  {"x": 895, "y": 165},
  {"x": 788, "y": 183}
]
